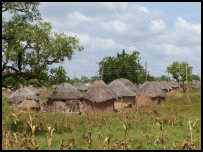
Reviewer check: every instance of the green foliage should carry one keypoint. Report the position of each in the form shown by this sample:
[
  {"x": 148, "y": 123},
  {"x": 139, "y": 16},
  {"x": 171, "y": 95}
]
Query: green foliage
[
  {"x": 26, "y": 10},
  {"x": 123, "y": 66},
  {"x": 29, "y": 46},
  {"x": 195, "y": 77},
  {"x": 58, "y": 76},
  {"x": 94, "y": 78},
  {"x": 178, "y": 71},
  {"x": 84, "y": 79},
  {"x": 163, "y": 78}
]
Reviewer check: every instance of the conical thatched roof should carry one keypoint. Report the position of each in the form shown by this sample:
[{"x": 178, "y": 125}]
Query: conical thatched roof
[
  {"x": 99, "y": 92},
  {"x": 65, "y": 91},
  {"x": 80, "y": 86},
  {"x": 129, "y": 84},
  {"x": 151, "y": 90},
  {"x": 174, "y": 84},
  {"x": 196, "y": 84},
  {"x": 29, "y": 105},
  {"x": 21, "y": 94},
  {"x": 164, "y": 85},
  {"x": 34, "y": 89},
  {"x": 120, "y": 90}
]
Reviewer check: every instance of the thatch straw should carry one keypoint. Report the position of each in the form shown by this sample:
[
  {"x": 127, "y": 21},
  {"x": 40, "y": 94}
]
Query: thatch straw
[
  {"x": 99, "y": 92},
  {"x": 80, "y": 86},
  {"x": 151, "y": 90},
  {"x": 34, "y": 89},
  {"x": 21, "y": 94},
  {"x": 120, "y": 90},
  {"x": 65, "y": 91},
  {"x": 164, "y": 85},
  {"x": 129, "y": 84},
  {"x": 173, "y": 84},
  {"x": 196, "y": 84},
  {"x": 29, "y": 105}
]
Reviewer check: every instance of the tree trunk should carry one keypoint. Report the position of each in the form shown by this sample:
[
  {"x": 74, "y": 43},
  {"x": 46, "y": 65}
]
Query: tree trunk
[{"x": 183, "y": 86}]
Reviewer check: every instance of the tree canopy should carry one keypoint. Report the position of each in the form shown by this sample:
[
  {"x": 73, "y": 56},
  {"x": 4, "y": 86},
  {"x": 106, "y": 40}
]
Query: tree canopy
[
  {"x": 29, "y": 46},
  {"x": 178, "y": 71},
  {"x": 123, "y": 66}
]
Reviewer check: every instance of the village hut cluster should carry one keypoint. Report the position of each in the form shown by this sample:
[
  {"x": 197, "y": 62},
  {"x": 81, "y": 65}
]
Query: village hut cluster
[
  {"x": 25, "y": 98},
  {"x": 97, "y": 97}
]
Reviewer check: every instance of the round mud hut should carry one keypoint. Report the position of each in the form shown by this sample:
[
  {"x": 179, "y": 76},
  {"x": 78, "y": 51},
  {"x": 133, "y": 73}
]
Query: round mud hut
[
  {"x": 99, "y": 97},
  {"x": 164, "y": 85},
  {"x": 29, "y": 105},
  {"x": 150, "y": 94},
  {"x": 174, "y": 85},
  {"x": 196, "y": 84},
  {"x": 22, "y": 96},
  {"x": 34, "y": 89},
  {"x": 65, "y": 98},
  {"x": 81, "y": 87},
  {"x": 128, "y": 84},
  {"x": 125, "y": 97}
]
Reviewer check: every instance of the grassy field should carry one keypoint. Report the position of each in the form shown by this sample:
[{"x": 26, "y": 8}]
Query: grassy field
[{"x": 173, "y": 125}]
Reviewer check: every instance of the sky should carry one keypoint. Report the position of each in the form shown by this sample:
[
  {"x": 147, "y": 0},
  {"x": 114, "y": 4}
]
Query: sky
[{"x": 161, "y": 32}]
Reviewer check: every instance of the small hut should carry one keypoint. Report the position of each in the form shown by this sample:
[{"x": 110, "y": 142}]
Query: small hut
[
  {"x": 34, "y": 89},
  {"x": 164, "y": 85},
  {"x": 149, "y": 94},
  {"x": 29, "y": 105},
  {"x": 174, "y": 85},
  {"x": 196, "y": 84},
  {"x": 81, "y": 87},
  {"x": 64, "y": 99},
  {"x": 99, "y": 97},
  {"x": 21, "y": 94},
  {"x": 125, "y": 97},
  {"x": 128, "y": 84}
]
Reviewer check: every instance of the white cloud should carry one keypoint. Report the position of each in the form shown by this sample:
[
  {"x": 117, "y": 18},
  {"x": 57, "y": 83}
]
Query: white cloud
[
  {"x": 183, "y": 25},
  {"x": 143, "y": 9},
  {"x": 117, "y": 26},
  {"x": 77, "y": 18},
  {"x": 157, "y": 25}
]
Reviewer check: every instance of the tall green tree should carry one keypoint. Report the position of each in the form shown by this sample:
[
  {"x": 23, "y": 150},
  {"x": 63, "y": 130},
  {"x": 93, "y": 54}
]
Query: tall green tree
[
  {"x": 123, "y": 66},
  {"x": 58, "y": 76},
  {"x": 29, "y": 46},
  {"x": 178, "y": 72}
]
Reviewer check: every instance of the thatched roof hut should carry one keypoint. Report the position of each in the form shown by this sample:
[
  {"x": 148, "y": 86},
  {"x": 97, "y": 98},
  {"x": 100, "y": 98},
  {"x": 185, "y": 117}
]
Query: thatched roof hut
[
  {"x": 150, "y": 89},
  {"x": 64, "y": 91},
  {"x": 126, "y": 97},
  {"x": 29, "y": 105},
  {"x": 99, "y": 97},
  {"x": 150, "y": 93},
  {"x": 80, "y": 86},
  {"x": 164, "y": 85},
  {"x": 129, "y": 84},
  {"x": 99, "y": 92},
  {"x": 34, "y": 89},
  {"x": 174, "y": 85},
  {"x": 196, "y": 84},
  {"x": 120, "y": 90},
  {"x": 21, "y": 94}
]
